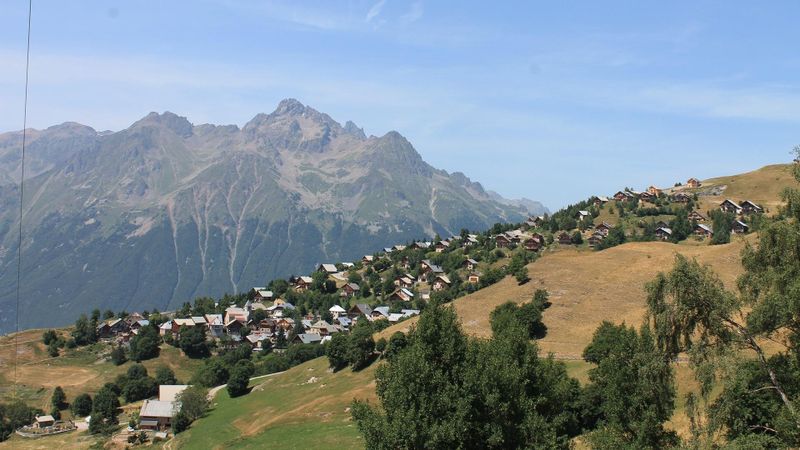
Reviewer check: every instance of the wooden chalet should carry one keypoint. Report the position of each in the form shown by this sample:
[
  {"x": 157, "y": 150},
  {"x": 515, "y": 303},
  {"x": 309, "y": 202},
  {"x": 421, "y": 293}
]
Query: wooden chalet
[
  {"x": 703, "y": 230},
  {"x": 502, "y": 241},
  {"x": 157, "y": 415},
  {"x": 470, "y": 264},
  {"x": 350, "y": 289},
  {"x": 425, "y": 267},
  {"x": 367, "y": 260},
  {"x": 664, "y": 233},
  {"x": 323, "y": 328},
  {"x": 564, "y": 238},
  {"x": 380, "y": 313},
  {"x": 603, "y": 228},
  {"x": 623, "y": 196},
  {"x": 441, "y": 283},
  {"x": 647, "y": 197},
  {"x": 730, "y": 206},
  {"x": 697, "y": 216},
  {"x": 44, "y": 421},
  {"x": 420, "y": 245},
  {"x": 600, "y": 201},
  {"x": 404, "y": 281},
  {"x": 654, "y": 191},
  {"x": 337, "y": 311},
  {"x": 359, "y": 310},
  {"x": 474, "y": 278},
  {"x": 112, "y": 327},
  {"x": 401, "y": 295},
  {"x": 595, "y": 239},
  {"x": 534, "y": 243},
  {"x": 303, "y": 283},
  {"x": 261, "y": 294},
  {"x": 327, "y": 268},
  {"x": 307, "y": 338},
  {"x": 739, "y": 227},
  {"x": 583, "y": 215},
  {"x": 470, "y": 240},
  {"x": 693, "y": 183},
  {"x": 749, "y": 207},
  {"x": 681, "y": 197}
]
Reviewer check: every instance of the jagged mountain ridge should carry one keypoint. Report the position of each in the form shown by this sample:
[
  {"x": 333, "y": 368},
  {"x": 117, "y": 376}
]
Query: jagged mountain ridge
[{"x": 165, "y": 210}]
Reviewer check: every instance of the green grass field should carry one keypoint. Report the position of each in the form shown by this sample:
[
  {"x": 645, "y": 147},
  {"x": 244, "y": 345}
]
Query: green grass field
[{"x": 306, "y": 407}]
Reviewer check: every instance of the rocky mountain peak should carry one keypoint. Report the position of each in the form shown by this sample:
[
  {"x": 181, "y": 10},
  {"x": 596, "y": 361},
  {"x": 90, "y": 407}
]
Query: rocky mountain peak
[
  {"x": 178, "y": 124},
  {"x": 353, "y": 129},
  {"x": 289, "y": 106}
]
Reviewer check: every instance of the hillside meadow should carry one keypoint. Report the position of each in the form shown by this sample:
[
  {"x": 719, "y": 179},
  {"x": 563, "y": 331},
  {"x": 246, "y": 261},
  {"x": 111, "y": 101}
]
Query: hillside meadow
[{"x": 307, "y": 406}]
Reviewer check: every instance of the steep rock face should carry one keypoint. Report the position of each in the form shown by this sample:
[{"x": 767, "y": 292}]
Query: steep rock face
[{"x": 164, "y": 211}]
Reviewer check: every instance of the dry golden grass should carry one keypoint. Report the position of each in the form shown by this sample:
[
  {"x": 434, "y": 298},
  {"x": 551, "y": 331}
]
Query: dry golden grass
[
  {"x": 762, "y": 186},
  {"x": 75, "y": 371},
  {"x": 588, "y": 287}
]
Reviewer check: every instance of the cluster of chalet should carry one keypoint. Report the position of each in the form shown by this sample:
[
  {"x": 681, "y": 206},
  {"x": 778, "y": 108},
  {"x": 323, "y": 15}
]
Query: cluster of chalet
[
  {"x": 278, "y": 313},
  {"x": 663, "y": 231},
  {"x": 121, "y": 330},
  {"x": 157, "y": 415},
  {"x": 529, "y": 240}
]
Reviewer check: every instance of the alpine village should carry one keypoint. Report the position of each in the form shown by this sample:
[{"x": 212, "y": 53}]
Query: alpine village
[{"x": 304, "y": 352}]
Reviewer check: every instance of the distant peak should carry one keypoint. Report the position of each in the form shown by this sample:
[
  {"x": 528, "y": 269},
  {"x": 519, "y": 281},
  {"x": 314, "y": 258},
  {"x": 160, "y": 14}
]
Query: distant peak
[
  {"x": 353, "y": 129},
  {"x": 178, "y": 124},
  {"x": 290, "y": 106}
]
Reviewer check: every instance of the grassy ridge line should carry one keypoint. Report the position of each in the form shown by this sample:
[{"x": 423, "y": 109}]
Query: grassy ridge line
[{"x": 587, "y": 287}]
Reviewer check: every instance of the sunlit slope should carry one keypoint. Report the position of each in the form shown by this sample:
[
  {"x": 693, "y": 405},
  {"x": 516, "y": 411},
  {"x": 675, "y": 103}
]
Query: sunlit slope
[
  {"x": 587, "y": 287},
  {"x": 305, "y": 407},
  {"x": 762, "y": 186}
]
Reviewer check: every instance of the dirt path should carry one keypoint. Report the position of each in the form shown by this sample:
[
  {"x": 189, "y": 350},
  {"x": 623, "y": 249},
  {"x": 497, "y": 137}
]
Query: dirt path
[{"x": 213, "y": 391}]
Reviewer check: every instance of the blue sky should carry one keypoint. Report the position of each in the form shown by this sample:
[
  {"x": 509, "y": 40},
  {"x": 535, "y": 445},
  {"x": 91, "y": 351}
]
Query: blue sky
[{"x": 554, "y": 101}]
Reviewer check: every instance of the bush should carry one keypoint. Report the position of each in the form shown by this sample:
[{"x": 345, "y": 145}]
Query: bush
[
  {"x": 49, "y": 336},
  {"x": 336, "y": 351},
  {"x": 722, "y": 226},
  {"x": 193, "y": 342},
  {"x": 165, "y": 375},
  {"x": 380, "y": 346},
  {"x": 104, "y": 411},
  {"x": 145, "y": 344},
  {"x": 397, "y": 342},
  {"x": 240, "y": 378},
  {"x": 180, "y": 423},
  {"x": 82, "y": 405},
  {"x": 59, "y": 398},
  {"x": 522, "y": 275},
  {"x": 272, "y": 363},
  {"x": 140, "y": 389},
  {"x": 300, "y": 353},
  {"x": 213, "y": 373},
  {"x": 194, "y": 402},
  {"x": 118, "y": 357},
  {"x": 361, "y": 346}
]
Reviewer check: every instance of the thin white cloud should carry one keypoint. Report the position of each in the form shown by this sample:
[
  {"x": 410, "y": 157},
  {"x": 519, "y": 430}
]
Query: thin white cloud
[
  {"x": 375, "y": 11},
  {"x": 414, "y": 14}
]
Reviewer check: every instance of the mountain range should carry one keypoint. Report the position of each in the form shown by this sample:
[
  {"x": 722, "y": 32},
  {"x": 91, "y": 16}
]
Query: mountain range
[{"x": 165, "y": 210}]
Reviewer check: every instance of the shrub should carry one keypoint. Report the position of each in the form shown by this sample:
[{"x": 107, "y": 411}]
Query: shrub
[
  {"x": 59, "y": 398},
  {"x": 82, "y": 405},
  {"x": 118, "y": 356},
  {"x": 336, "y": 351}
]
